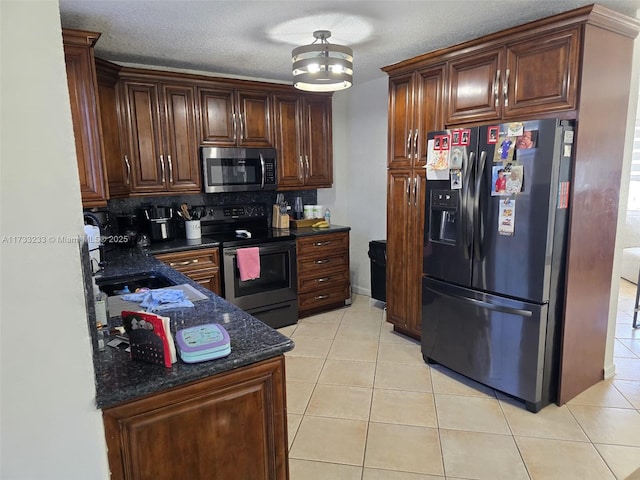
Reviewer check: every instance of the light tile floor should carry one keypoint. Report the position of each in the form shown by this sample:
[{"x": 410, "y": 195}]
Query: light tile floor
[{"x": 363, "y": 405}]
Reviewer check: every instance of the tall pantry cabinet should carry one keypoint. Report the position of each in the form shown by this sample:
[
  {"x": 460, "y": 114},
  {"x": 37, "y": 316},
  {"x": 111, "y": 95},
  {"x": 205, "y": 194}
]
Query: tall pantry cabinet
[
  {"x": 415, "y": 104},
  {"x": 575, "y": 66}
]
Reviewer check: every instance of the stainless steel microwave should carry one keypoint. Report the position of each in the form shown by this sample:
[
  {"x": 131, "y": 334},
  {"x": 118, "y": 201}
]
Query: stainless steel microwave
[{"x": 228, "y": 169}]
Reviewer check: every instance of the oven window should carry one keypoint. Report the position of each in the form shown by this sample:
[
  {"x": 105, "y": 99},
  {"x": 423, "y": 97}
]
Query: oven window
[{"x": 274, "y": 275}]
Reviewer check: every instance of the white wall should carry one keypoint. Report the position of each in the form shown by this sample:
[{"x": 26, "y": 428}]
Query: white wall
[
  {"x": 360, "y": 172},
  {"x": 50, "y": 427},
  {"x": 634, "y": 112}
]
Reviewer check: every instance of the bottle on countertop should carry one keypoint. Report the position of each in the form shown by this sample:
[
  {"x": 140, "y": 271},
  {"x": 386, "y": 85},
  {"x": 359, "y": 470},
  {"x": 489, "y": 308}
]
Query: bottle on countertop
[
  {"x": 327, "y": 216},
  {"x": 102, "y": 314}
]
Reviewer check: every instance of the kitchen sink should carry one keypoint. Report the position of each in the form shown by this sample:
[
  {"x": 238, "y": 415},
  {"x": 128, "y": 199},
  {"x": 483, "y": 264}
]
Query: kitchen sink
[{"x": 119, "y": 285}]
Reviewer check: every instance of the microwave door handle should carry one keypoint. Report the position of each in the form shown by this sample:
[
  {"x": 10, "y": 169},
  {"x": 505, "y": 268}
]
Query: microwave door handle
[{"x": 263, "y": 171}]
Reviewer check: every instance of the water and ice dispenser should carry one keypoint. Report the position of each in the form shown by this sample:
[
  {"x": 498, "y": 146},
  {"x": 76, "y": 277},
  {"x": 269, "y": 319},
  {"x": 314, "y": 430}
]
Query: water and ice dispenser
[{"x": 443, "y": 214}]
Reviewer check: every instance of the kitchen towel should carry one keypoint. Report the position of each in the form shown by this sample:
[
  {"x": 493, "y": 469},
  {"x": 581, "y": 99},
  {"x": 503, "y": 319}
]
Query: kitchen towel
[
  {"x": 249, "y": 263},
  {"x": 160, "y": 299}
]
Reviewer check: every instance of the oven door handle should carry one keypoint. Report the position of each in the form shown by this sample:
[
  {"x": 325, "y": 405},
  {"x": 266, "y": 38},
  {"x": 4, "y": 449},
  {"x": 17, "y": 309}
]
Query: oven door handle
[{"x": 264, "y": 249}]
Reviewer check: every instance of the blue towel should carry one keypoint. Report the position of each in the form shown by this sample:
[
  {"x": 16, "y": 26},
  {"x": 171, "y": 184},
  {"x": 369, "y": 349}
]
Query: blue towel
[{"x": 160, "y": 299}]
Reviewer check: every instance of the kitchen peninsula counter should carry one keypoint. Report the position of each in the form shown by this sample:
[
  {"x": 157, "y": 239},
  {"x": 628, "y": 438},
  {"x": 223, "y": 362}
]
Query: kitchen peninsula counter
[{"x": 120, "y": 379}]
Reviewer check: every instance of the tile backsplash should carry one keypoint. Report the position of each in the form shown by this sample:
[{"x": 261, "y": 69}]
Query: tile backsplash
[{"x": 130, "y": 205}]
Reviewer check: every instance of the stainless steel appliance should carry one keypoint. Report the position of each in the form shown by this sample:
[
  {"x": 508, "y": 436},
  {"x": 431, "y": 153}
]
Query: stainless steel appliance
[
  {"x": 159, "y": 222},
  {"x": 494, "y": 262},
  {"x": 226, "y": 169},
  {"x": 272, "y": 297},
  {"x": 128, "y": 227}
]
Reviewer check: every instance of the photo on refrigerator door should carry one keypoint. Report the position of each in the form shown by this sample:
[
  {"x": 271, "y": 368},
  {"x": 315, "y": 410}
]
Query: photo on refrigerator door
[
  {"x": 458, "y": 155},
  {"x": 504, "y": 149},
  {"x": 528, "y": 139},
  {"x": 507, "y": 180}
]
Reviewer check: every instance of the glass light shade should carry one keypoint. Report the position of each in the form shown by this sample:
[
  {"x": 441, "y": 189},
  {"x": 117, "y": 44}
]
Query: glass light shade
[{"x": 322, "y": 67}]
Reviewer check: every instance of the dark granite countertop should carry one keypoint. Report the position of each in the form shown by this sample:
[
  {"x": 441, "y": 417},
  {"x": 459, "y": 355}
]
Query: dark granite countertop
[
  {"x": 309, "y": 231},
  {"x": 120, "y": 379}
]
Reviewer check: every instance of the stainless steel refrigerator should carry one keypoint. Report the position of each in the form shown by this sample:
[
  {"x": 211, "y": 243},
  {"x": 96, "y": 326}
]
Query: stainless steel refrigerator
[{"x": 494, "y": 254}]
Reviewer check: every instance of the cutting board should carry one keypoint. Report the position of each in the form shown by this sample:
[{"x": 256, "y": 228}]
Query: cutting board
[{"x": 116, "y": 304}]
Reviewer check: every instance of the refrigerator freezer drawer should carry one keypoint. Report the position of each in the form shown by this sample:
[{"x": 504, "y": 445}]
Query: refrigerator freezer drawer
[{"x": 496, "y": 341}]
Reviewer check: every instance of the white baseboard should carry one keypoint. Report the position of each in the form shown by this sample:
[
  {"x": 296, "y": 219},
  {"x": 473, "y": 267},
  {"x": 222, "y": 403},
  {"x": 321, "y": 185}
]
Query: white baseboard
[{"x": 609, "y": 371}]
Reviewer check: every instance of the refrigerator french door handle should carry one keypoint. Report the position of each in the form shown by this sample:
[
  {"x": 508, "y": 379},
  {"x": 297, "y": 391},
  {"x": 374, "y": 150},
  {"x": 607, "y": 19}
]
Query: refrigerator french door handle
[
  {"x": 482, "y": 304},
  {"x": 467, "y": 211},
  {"x": 478, "y": 231}
]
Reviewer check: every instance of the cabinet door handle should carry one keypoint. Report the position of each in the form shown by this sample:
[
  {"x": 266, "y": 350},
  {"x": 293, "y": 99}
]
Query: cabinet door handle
[
  {"x": 182, "y": 264},
  {"x": 322, "y": 244},
  {"x": 321, "y": 297},
  {"x": 415, "y": 144},
  {"x": 243, "y": 120},
  {"x": 301, "y": 163},
  {"x": 322, "y": 262},
  {"x": 505, "y": 88},
  {"x": 170, "y": 169},
  {"x": 496, "y": 88},
  {"x": 409, "y": 149},
  {"x": 415, "y": 190},
  {"x": 306, "y": 159},
  {"x": 126, "y": 162},
  {"x": 322, "y": 280},
  {"x": 235, "y": 127},
  {"x": 409, "y": 192},
  {"x": 162, "y": 167}
]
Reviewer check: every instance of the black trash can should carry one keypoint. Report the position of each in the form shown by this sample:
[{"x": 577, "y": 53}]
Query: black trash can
[{"x": 378, "y": 256}]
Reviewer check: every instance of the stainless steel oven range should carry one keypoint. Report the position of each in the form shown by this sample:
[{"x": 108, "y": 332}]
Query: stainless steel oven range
[{"x": 272, "y": 297}]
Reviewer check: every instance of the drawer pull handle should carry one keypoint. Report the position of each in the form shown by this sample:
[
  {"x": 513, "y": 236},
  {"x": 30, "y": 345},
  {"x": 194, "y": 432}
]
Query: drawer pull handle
[
  {"x": 320, "y": 262},
  {"x": 321, "y": 297},
  {"x": 322, "y": 280},
  {"x": 321, "y": 244},
  {"x": 188, "y": 262}
]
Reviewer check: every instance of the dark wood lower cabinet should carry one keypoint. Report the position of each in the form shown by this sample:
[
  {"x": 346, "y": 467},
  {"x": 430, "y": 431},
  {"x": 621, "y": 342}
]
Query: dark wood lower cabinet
[
  {"x": 201, "y": 265},
  {"x": 232, "y": 426}
]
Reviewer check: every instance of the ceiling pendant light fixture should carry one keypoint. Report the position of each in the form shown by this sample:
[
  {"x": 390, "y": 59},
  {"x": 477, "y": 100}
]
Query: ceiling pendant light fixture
[{"x": 323, "y": 66}]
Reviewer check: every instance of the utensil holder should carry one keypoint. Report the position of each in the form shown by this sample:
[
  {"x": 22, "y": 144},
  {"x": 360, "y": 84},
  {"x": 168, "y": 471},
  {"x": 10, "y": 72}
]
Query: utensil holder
[
  {"x": 279, "y": 220},
  {"x": 192, "y": 229}
]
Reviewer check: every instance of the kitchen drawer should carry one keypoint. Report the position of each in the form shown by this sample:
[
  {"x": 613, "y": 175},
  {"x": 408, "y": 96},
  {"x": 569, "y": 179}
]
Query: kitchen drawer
[
  {"x": 321, "y": 297},
  {"x": 200, "y": 265},
  {"x": 192, "y": 259},
  {"x": 322, "y": 264},
  {"x": 316, "y": 283},
  {"x": 319, "y": 244}
]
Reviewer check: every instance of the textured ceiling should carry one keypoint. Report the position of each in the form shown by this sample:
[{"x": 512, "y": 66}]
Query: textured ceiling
[{"x": 255, "y": 38}]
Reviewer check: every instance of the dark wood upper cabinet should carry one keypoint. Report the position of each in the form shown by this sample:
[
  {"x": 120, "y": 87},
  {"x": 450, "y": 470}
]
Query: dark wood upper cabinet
[
  {"x": 542, "y": 74},
  {"x": 415, "y": 108},
  {"x": 254, "y": 119},
  {"x": 85, "y": 114},
  {"x": 289, "y": 140},
  {"x": 304, "y": 141},
  {"x": 535, "y": 75},
  {"x": 474, "y": 87},
  {"x": 181, "y": 138},
  {"x": 217, "y": 116},
  {"x": 233, "y": 117},
  {"x": 116, "y": 161},
  {"x": 162, "y": 144}
]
